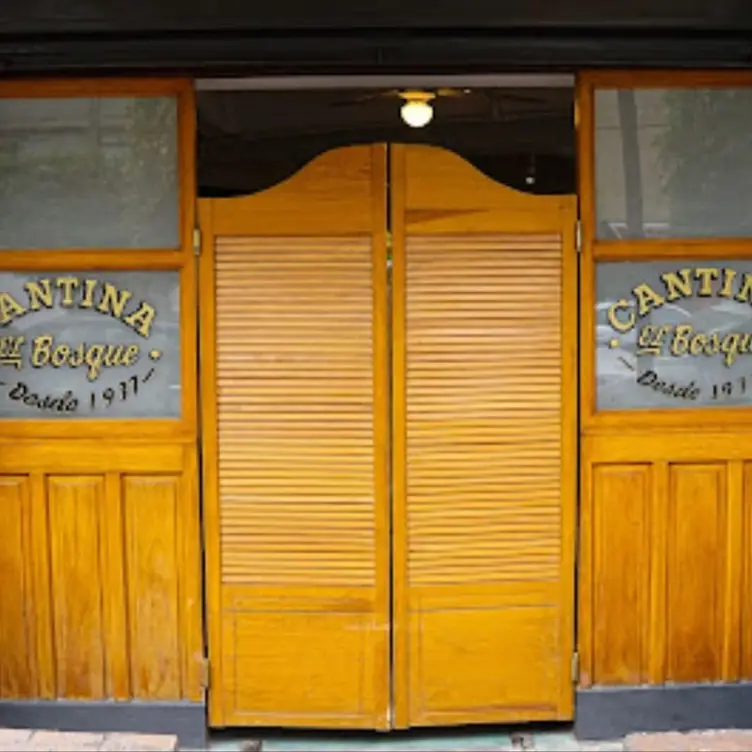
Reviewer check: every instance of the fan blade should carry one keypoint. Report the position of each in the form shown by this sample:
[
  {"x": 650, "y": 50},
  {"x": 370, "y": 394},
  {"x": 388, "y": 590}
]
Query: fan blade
[
  {"x": 452, "y": 92},
  {"x": 365, "y": 98}
]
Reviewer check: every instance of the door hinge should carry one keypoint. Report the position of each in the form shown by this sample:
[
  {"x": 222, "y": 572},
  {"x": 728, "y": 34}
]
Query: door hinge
[
  {"x": 197, "y": 241},
  {"x": 578, "y": 236},
  {"x": 205, "y": 673},
  {"x": 575, "y": 668}
]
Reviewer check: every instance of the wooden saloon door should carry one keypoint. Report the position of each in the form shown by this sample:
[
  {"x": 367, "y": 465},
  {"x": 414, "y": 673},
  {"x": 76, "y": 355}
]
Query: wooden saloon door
[
  {"x": 297, "y": 521},
  {"x": 484, "y": 291},
  {"x": 296, "y": 347}
]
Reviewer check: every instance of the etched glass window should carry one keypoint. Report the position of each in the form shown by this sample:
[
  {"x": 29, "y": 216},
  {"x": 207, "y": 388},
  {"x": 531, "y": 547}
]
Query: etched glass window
[
  {"x": 88, "y": 173},
  {"x": 89, "y": 345},
  {"x": 673, "y": 334},
  {"x": 674, "y": 163}
]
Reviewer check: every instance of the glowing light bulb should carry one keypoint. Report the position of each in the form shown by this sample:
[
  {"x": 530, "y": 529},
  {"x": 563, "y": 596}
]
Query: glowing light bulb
[
  {"x": 417, "y": 111},
  {"x": 417, "y": 114}
]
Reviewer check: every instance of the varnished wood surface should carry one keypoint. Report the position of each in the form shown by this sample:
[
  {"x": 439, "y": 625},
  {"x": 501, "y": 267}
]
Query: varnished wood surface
[
  {"x": 101, "y": 569},
  {"x": 296, "y": 486},
  {"x": 664, "y": 564},
  {"x": 484, "y": 452},
  {"x": 101, "y": 589},
  {"x": 181, "y": 258},
  {"x": 296, "y": 483}
]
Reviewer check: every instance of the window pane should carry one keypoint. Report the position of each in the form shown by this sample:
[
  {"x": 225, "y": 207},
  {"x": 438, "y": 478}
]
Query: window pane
[
  {"x": 673, "y": 163},
  {"x": 673, "y": 334},
  {"x": 89, "y": 345},
  {"x": 88, "y": 173}
]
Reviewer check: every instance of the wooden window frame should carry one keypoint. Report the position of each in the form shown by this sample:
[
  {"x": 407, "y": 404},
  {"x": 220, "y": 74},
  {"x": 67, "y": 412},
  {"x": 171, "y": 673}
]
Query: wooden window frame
[
  {"x": 181, "y": 259},
  {"x": 594, "y": 250}
]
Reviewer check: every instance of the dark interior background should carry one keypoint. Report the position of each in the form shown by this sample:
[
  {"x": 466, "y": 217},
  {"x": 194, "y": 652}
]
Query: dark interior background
[{"x": 251, "y": 140}]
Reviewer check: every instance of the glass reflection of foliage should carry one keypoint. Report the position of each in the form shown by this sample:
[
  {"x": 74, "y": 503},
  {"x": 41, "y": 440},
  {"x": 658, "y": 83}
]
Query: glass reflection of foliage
[
  {"x": 149, "y": 159},
  {"x": 108, "y": 180},
  {"x": 705, "y": 160}
]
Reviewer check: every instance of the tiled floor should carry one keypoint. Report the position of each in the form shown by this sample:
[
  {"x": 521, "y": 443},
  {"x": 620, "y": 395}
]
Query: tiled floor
[
  {"x": 26, "y": 740},
  {"x": 540, "y": 739}
]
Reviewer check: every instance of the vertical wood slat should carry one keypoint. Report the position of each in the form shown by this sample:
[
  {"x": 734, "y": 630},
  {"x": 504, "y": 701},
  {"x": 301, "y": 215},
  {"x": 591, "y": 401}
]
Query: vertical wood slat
[
  {"x": 745, "y": 584},
  {"x": 382, "y": 423},
  {"x": 401, "y": 637},
  {"x": 620, "y": 569},
  {"x": 585, "y": 579},
  {"x": 190, "y": 590},
  {"x": 696, "y": 554},
  {"x": 570, "y": 456},
  {"x": 212, "y": 564},
  {"x": 115, "y": 616},
  {"x": 659, "y": 527},
  {"x": 74, "y": 504},
  {"x": 732, "y": 593},
  {"x": 17, "y": 650},
  {"x": 42, "y": 589},
  {"x": 150, "y": 513}
]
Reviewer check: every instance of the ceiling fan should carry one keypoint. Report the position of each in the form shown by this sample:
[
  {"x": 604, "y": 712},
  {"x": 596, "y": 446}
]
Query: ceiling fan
[
  {"x": 417, "y": 109},
  {"x": 430, "y": 94}
]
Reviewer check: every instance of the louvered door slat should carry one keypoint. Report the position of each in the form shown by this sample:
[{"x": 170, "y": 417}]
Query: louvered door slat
[
  {"x": 482, "y": 513},
  {"x": 513, "y": 308}
]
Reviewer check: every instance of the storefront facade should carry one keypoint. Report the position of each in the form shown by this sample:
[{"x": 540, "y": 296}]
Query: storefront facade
[{"x": 388, "y": 443}]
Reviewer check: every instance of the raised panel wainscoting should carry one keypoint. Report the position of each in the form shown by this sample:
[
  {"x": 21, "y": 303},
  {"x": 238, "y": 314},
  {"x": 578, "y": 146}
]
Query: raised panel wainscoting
[{"x": 101, "y": 575}]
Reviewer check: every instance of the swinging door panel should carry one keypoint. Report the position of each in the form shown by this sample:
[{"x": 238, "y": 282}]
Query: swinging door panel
[
  {"x": 484, "y": 445},
  {"x": 296, "y": 448}
]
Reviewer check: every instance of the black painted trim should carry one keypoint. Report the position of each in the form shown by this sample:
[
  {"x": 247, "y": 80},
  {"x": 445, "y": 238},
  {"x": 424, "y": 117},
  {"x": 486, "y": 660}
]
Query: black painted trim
[
  {"x": 186, "y": 719},
  {"x": 613, "y": 712},
  {"x": 245, "y": 53}
]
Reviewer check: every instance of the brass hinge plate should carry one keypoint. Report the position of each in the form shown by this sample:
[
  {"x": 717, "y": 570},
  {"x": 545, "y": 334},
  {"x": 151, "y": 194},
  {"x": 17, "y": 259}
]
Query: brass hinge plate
[
  {"x": 197, "y": 241},
  {"x": 575, "y": 668},
  {"x": 578, "y": 236}
]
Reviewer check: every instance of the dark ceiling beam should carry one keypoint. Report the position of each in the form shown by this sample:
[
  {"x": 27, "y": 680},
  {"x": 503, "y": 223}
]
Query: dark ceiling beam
[
  {"x": 205, "y": 16},
  {"x": 214, "y": 54}
]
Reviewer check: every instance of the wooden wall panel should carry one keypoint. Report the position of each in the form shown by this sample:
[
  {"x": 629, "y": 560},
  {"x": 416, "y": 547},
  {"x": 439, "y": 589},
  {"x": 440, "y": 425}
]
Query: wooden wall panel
[
  {"x": 695, "y": 557},
  {"x": 74, "y": 506},
  {"x": 745, "y": 576},
  {"x": 100, "y": 578},
  {"x": 94, "y": 606},
  {"x": 152, "y": 563},
  {"x": 665, "y": 567},
  {"x": 698, "y": 623},
  {"x": 17, "y": 678},
  {"x": 620, "y": 547}
]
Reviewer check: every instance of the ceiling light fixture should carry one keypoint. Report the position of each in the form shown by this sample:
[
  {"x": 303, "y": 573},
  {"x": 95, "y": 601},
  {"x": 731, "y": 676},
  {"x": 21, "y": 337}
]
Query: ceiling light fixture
[{"x": 417, "y": 111}]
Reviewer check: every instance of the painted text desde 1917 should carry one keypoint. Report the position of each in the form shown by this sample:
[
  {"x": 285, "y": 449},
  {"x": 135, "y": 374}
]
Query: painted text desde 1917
[{"x": 57, "y": 300}]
